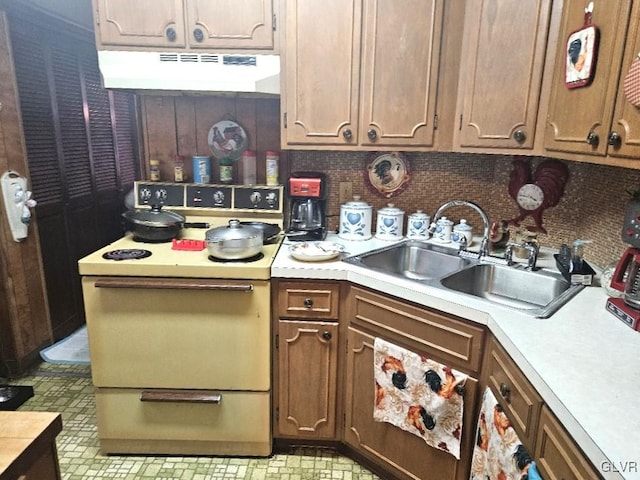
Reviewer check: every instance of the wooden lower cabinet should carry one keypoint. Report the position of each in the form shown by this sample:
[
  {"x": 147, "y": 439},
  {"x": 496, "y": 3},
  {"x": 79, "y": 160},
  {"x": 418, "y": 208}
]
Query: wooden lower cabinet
[
  {"x": 513, "y": 391},
  {"x": 306, "y": 375},
  {"x": 556, "y": 454},
  {"x": 324, "y": 385},
  {"x": 443, "y": 338},
  {"x": 307, "y": 362},
  {"x": 401, "y": 453}
]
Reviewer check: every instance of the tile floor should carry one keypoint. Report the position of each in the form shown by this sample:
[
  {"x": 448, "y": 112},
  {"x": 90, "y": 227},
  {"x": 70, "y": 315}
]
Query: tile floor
[{"x": 67, "y": 389}]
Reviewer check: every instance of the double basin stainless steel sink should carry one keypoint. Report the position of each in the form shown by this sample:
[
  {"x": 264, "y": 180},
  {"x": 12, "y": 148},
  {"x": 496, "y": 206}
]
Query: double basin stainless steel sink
[{"x": 537, "y": 293}]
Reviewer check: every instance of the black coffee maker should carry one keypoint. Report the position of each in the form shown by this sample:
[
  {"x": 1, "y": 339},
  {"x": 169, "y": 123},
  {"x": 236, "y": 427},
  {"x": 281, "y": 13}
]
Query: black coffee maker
[{"x": 307, "y": 192}]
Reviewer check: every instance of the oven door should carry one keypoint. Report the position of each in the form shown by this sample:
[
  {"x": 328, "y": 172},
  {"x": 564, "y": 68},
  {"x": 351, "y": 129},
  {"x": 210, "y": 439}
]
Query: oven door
[{"x": 178, "y": 332}]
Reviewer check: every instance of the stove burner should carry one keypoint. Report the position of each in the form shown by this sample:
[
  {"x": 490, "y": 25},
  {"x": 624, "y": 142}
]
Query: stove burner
[
  {"x": 126, "y": 254},
  {"x": 255, "y": 258}
]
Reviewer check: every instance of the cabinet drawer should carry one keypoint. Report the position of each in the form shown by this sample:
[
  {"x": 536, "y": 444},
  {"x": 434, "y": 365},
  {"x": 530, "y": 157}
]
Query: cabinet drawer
[
  {"x": 309, "y": 300},
  {"x": 446, "y": 339},
  {"x": 516, "y": 395},
  {"x": 237, "y": 425},
  {"x": 557, "y": 456}
]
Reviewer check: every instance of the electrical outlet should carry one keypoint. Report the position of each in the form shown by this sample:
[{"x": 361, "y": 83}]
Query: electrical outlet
[{"x": 346, "y": 191}]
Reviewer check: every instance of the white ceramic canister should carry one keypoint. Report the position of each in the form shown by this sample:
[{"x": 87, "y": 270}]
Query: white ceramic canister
[
  {"x": 460, "y": 230},
  {"x": 389, "y": 224},
  {"x": 444, "y": 228},
  {"x": 355, "y": 220},
  {"x": 418, "y": 225}
]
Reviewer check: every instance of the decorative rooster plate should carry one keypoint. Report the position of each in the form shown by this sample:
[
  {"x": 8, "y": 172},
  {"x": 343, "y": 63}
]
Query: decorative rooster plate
[
  {"x": 227, "y": 139},
  {"x": 387, "y": 174}
]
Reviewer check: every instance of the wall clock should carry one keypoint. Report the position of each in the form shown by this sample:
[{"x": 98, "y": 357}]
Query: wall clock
[
  {"x": 387, "y": 174},
  {"x": 534, "y": 192}
]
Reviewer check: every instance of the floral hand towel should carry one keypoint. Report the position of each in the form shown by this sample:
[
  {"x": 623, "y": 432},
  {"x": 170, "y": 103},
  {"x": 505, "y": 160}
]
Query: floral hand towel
[{"x": 418, "y": 395}]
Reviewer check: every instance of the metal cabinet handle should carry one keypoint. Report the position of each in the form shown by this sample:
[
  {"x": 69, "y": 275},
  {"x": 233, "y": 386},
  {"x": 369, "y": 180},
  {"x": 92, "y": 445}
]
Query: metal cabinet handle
[
  {"x": 198, "y": 34},
  {"x": 347, "y": 134},
  {"x": 593, "y": 139},
  {"x": 188, "y": 396},
  {"x": 170, "y": 284},
  {"x": 372, "y": 134},
  {"x": 326, "y": 335},
  {"x": 505, "y": 391},
  {"x": 519, "y": 136},
  {"x": 308, "y": 303},
  {"x": 171, "y": 34},
  {"x": 614, "y": 139}
]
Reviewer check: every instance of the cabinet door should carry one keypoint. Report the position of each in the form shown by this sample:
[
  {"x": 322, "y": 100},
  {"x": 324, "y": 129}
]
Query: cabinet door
[
  {"x": 626, "y": 118},
  {"x": 307, "y": 379},
  {"x": 579, "y": 118},
  {"x": 557, "y": 456},
  {"x": 148, "y": 23},
  {"x": 402, "y": 453},
  {"x": 231, "y": 24},
  {"x": 322, "y": 66},
  {"x": 401, "y": 55},
  {"x": 501, "y": 74}
]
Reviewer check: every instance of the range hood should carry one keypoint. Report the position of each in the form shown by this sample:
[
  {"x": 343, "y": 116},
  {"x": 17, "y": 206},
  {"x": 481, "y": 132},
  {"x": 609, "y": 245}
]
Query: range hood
[{"x": 195, "y": 72}]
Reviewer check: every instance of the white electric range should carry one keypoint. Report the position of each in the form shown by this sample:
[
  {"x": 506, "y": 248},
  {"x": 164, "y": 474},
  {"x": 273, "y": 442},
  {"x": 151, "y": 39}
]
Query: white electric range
[{"x": 180, "y": 344}]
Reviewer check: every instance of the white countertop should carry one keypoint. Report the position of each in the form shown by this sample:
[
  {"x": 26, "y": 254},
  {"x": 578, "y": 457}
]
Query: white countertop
[{"x": 583, "y": 361}]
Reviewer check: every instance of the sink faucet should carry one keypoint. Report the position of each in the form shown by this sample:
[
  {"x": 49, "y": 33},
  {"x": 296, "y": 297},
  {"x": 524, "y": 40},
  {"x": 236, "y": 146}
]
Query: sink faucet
[
  {"x": 532, "y": 253},
  {"x": 484, "y": 246}
]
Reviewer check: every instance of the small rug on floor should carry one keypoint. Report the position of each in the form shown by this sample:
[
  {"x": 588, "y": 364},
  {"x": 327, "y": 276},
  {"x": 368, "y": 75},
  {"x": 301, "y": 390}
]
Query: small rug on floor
[{"x": 71, "y": 350}]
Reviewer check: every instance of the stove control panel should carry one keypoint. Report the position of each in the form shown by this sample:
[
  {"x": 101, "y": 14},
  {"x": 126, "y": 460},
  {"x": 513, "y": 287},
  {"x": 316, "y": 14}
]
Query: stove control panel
[
  {"x": 255, "y": 198},
  {"x": 213, "y": 197},
  {"x": 208, "y": 196},
  {"x": 159, "y": 194}
]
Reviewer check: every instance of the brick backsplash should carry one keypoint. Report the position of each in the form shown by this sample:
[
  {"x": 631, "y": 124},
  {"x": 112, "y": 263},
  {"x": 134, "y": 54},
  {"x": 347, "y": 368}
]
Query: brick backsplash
[{"x": 592, "y": 207}]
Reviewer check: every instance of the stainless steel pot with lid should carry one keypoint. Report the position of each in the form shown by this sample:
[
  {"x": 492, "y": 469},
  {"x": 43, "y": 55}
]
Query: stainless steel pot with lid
[{"x": 234, "y": 242}]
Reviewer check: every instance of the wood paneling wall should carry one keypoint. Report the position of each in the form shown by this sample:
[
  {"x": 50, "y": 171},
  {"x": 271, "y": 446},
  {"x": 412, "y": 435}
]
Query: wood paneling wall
[
  {"x": 24, "y": 313},
  {"x": 180, "y": 125}
]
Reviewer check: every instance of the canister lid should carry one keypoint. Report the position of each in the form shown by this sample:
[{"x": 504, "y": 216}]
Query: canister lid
[
  {"x": 356, "y": 202},
  {"x": 390, "y": 209},
  {"x": 463, "y": 225},
  {"x": 419, "y": 214}
]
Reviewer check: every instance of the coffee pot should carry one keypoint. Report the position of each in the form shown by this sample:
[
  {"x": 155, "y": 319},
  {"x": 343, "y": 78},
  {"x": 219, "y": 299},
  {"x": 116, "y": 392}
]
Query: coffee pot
[
  {"x": 305, "y": 215},
  {"x": 307, "y": 199},
  {"x": 626, "y": 277}
]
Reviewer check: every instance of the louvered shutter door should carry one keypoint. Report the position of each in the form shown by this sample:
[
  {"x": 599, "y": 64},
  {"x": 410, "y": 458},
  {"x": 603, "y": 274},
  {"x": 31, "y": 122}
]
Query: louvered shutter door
[
  {"x": 123, "y": 105},
  {"x": 73, "y": 133},
  {"x": 100, "y": 131},
  {"x": 37, "y": 118}
]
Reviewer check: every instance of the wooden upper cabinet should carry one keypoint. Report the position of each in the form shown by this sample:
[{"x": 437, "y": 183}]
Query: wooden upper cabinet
[
  {"x": 624, "y": 138},
  {"x": 145, "y": 23},
  {"x": 399, "y": 76},
  {"x": 579, "y": 119},
  {"x": 231, "y": 24},
  {"x": 361, "y": 74},
  {"x": 321, "y": 71},
  {"x": 188, "y": 24},
  {"x": 503, "y": 58}
]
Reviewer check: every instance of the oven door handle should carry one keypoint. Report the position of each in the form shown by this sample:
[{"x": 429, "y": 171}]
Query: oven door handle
[
  {"x": 172, "y": 284},
  {"x": 188, "y": 396}
]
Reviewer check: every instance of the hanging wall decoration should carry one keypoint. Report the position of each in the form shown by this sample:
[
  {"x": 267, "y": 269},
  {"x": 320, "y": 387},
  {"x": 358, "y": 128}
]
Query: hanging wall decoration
[
  {"x": 581, "y": 53},
  {"x": 387, "y": 174}
]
